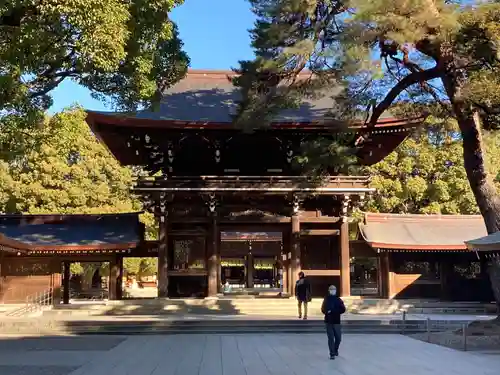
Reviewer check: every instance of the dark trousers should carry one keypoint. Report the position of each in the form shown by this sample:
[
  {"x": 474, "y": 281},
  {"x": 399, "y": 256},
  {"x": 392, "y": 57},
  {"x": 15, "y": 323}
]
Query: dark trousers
[{"x": 334, "y": 334}]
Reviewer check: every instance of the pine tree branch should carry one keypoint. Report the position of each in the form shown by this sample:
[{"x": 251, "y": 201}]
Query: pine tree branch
[{"x": 405, "y": 83}]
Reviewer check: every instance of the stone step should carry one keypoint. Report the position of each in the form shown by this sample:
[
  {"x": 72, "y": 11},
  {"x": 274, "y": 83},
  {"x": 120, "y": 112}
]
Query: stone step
[
  {"x": 219, "y": 326},
  {"x": 284, "y": 307}
]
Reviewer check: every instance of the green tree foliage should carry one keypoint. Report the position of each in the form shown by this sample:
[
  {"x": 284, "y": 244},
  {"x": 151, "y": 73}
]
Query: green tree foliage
[
  {"x": 131, "y": 265},
  {"x": 140, "y": 266},
  {"x": 125, "y": 50},
  {"x": 62, "y": 168},
  {"x": 425, "y": 174}
]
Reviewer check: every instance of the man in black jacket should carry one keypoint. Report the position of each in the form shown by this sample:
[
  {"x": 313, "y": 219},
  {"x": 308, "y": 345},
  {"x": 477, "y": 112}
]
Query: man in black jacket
[
  {"x": 303, "y": 293},
  {"x": 332, "y": 308}
]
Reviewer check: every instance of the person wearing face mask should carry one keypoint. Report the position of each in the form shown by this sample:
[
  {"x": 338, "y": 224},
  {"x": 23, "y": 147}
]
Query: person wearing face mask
[{"x": 332, "y": 308}]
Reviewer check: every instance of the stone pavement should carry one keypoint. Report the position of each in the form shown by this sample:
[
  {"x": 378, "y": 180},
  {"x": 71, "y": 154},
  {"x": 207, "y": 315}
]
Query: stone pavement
[{"x": 284, "y": 354}]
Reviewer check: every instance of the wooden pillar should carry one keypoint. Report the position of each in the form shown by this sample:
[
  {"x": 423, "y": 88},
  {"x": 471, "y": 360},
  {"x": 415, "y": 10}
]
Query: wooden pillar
[
  {"x": 1, "y": 277},
  {"x": 485, "y": 279},
  {"x": 249, "y": 267},
  {"x": 383, "y": 275},
  {"x": 445, "y": 276},
  {"x": 382, "y": 293},
  {"x": 295, "y": 263},
  {"x": 213, "y": 255},
  {"x": 119, "y": 280},
  {"x": 65, "y": 282},
  {"x": 56, "y": 266},
  {"x": 386, "y": 275},
  {"x": 345, "y": 267},
  {"x": 285, "y": 248},
  {"x": 163, "y": 257},
  {"x": 115, "y": 277}
]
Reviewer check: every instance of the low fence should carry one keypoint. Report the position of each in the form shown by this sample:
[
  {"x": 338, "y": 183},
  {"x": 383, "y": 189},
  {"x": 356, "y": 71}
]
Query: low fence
[{"x": 460, "y": 335}]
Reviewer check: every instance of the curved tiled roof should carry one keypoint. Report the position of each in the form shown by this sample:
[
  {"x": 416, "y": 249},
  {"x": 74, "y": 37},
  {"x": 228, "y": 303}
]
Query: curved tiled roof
[
  {"x": 421, "y": 232},
  {"x": 486, "y": 243},
  {"x": 206, "y": 100},
  {"x": 205, "y": 96},
  {"x": 70, "y": 232}
]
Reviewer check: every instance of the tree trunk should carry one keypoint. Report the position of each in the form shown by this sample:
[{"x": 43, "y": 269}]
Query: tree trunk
[
  {"x": 480, "y": 181},
  {"x": 482, "y": 186},
  {"x": 87, "y": 275}
]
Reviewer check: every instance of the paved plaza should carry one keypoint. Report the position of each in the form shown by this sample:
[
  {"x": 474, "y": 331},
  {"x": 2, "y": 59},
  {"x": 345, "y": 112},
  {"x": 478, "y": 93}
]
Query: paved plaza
[{"x": 283, "y": 354}]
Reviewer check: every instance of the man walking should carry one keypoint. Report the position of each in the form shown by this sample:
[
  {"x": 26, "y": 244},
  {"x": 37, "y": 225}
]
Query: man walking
[
  {"x": 303, "y": 294},
  {"x": 332, "y": 308}
]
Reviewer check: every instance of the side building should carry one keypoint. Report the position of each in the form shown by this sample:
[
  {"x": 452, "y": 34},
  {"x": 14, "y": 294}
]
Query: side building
[
  {"x": 425, "y": 256},
  {"x": 36, "y": 253}
]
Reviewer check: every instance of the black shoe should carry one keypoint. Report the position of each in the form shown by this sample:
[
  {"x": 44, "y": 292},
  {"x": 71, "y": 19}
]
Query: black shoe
[
  {"x": 336, "y": 354},
  {"x": 332, "y": 357}
]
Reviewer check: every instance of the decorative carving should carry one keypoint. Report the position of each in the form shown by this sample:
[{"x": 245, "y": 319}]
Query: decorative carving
[
  {"x": 189, "y": 254},
  {"x": 212, "y": 203},
  {"x": 162, "y": 205},
  {"x": 134, "y": 143},
  {"x": 170, "y": 155},
  {"x": 289, "y": 153},
  {"x": 145, "y": 145},
  {"x": 296, "y": 203},
  {"x": 361, "y": 201},
  {"x": 344, "y": 210},
  {"x": 182, "y": 250},
  {"x": 217, "y": 151},
  {"x": 156, "y": 156},
  {"x": 148, "y": 203}
]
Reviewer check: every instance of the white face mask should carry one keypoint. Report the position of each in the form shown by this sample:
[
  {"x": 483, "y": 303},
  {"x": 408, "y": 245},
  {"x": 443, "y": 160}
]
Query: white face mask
[{"x": 332, "y": 292}]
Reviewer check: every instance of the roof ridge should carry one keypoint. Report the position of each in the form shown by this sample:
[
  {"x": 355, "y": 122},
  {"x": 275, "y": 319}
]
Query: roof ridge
[
  {"x": 107, "y": 214},
  {"x": 373, "y": 216}
]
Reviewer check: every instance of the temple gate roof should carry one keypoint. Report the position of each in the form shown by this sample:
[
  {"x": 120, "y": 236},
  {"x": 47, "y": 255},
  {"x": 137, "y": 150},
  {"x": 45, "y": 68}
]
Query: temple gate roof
[{"x": 206, "y": 100}]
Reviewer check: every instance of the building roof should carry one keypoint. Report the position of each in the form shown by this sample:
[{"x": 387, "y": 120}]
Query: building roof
[
  {"x": 206, "y": 100},
  {"x": 208, "y": 96},
  {"x": 71, "y": 232},
  {"x": 421, "y": 232},
  {"x": 8, "y": 245},
  {"x": 486, "y": 243}
]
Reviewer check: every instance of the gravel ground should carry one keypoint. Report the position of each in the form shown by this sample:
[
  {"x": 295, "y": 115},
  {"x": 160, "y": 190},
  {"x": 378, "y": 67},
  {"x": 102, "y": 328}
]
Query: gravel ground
[
  {"x": 456, "y": 341},
  {"x": 58, "y": 343},
  {"x": 36, "y": 370}
]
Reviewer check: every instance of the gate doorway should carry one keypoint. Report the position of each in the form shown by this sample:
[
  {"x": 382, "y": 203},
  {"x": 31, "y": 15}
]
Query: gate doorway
[
  {"x": 364, "y": 276},
  {"x": 250, "y": 262}
]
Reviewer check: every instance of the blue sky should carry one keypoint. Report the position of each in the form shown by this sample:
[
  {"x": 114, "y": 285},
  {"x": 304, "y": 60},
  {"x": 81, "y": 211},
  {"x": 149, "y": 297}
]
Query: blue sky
[{"x": 215, "y": 36}]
